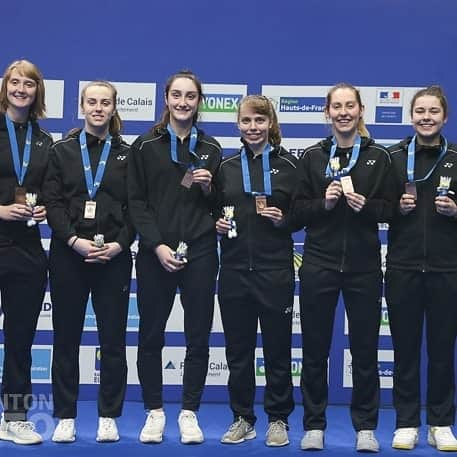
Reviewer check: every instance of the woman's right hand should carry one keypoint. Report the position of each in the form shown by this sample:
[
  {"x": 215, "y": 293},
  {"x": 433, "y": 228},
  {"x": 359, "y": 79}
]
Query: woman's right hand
[
  {"x": 167, "y": 259},
  {"x": 222, "y": 226},
  {"x": 407, "y": 204},
  {"x": 332, "y": 195},
  {"x": 15, "y": 212},
  {"x": 87, "y": 249}
]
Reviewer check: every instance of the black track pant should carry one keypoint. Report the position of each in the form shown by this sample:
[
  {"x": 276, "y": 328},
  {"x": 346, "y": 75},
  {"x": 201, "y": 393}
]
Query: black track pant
[
  {"x": 412, "y": 296},
  {"x": 22, "y": 283},
  {"x": 319, "y": 291},
  {"x": 245, "y": 298},
  {"x": 71, "y": 280},
  {"x": 156, "y": 294}
]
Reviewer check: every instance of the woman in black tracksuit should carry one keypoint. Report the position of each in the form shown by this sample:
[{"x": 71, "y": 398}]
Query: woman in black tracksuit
[
  {"x": 23, "y": 263},
  {"x": 257, "y": 277},
  {"x": 170, "y": 175},
  {"x": 86, "y": 193},
  {"x": 421, "y": 276},
  {"x": 342, "y": 254}
]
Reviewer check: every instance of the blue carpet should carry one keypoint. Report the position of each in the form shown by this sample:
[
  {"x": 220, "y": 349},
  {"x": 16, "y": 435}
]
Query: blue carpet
[{"x": 214, "y": 419}]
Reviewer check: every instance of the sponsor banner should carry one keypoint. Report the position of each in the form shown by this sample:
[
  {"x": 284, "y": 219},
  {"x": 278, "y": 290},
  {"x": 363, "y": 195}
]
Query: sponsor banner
[
  {"x": 41, "y": 363},
  {"x": 221, "y": 101},
  {"x": 45, "y": 317},
  {"x": 305, "y": 104},
  {"x": 135, "y": 101},
  {"x": 54, "y": 90},
  {"x": 295, "y": 368},
  {"x": 385, "y": 368}
]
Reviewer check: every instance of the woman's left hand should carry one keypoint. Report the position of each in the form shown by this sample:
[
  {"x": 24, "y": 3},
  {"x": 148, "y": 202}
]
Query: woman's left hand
[
  {"x": 355, "y": 201},
  {"x": 446, "y": 206},
  {"x": 274, "y": 214},
  {"x": 39, "y": 213}
]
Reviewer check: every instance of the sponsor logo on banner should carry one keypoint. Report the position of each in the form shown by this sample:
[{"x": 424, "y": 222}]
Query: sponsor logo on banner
[
  {"x": 389, "y": 106},
  {"x": 389, "y": 97},
  {"x": 300, "y": 104},
  {"x": 221, "y": 101},
  {"x": 385, "y": 368},
  {"x": 41, "y": 363},
  {"x": 295, "y": 366},
  {"x": 45, "y": 317},
  {"x": 135, "y": 101}
]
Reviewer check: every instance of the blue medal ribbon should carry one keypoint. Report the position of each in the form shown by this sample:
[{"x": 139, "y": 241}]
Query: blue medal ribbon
[
  {"x": 412, "y": 160},
  {"x": 192, "y": 145},
  {"x": 266, "y": 172},
  {"x": 93, "y": 186},
  {"x": 20, "y": 170},
  {"x": 353, "y": 160}
]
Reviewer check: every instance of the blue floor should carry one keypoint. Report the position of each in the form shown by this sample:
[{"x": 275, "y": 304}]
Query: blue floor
[{"x": 214, "y": 419}]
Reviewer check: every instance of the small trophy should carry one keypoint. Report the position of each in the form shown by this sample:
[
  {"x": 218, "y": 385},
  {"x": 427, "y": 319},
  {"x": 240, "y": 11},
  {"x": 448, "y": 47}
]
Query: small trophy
[
  {"x": 229, "y": 214},
  {"x": 99, "y": 240},
  {"x": 443, "y": 189},
  {"x": 30, "y": 201},
  {"x": 335, "y": 167},
  {"x": 181, "y": 251}
]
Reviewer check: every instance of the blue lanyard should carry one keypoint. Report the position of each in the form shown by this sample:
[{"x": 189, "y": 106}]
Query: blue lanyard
[
  {"x": 20, "y": 171},
  {"x": 174, "y": 146},
  {"x": 92, "y": 187},
  {"x": 412, "y": 159},
  {"x": 266, "y": 172},
  {"x": 354, "y": 157}
]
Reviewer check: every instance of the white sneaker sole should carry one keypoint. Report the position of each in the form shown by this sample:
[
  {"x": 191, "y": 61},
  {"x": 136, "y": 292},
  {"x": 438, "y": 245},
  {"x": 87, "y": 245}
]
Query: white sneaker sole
[
  {"x": 249, "y": 436},
  {"x": 5, "y": 436}
]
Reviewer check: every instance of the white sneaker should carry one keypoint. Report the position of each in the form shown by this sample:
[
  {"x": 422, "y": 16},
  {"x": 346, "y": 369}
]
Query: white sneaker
[
  {"x": 188, "y": 427},
  {"x": 366, "y": 441},
  {"x": 19, "y": 432},
  {"x": 313, "y": 440},
  {"x": 107, "y": 430},
  {"x": 277, "y": 434},
  {"x": 65, "y": 431},
  {"x": 152, "y": 431},
  {"x": 405, "y": 438},
  {"x": 442, "y": 438}
]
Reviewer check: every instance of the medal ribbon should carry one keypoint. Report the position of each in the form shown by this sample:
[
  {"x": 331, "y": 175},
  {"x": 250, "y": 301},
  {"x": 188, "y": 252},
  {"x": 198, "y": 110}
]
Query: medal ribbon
[
  {"x": 20, "y": 170},
  {"x": 92, "y": 187},
  {"x": 174, "y": 146},
  {"x": 354, "y": 157},
  {"x": 412, "y": 160},
  {"x": 266, "y": 172}
]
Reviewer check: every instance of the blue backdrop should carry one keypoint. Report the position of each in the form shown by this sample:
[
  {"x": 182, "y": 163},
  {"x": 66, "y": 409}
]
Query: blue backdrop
[{"x": 380, "y": 43}]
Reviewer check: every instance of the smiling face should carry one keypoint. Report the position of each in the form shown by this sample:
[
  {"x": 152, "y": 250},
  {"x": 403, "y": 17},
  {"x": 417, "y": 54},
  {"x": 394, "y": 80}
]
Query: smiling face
[
  {"x": 344, "y": 112},
  {"x": 98, "y": 108},
  {"x": 428, "y": 118},
  {"x": 254, "y": 127},
  {"x": 182, "y": 100},
  {"x": 20, "y": 92}
]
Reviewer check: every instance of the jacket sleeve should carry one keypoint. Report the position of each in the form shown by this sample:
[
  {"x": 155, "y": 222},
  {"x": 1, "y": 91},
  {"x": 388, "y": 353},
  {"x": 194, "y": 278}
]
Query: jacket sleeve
[
  {"x": 142, "y": 215},
  {"x": 57, "y": 212}
]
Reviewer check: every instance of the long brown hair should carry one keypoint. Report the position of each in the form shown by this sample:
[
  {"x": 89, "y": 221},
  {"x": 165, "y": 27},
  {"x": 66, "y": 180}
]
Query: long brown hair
[
  {"x": 361, "y": 127},
  {"x": 115, "y": 123},
  {"x": 28, "y": 70},
  {"x": 263, "y": 105},
  {"x": 165, "y": 117}
]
